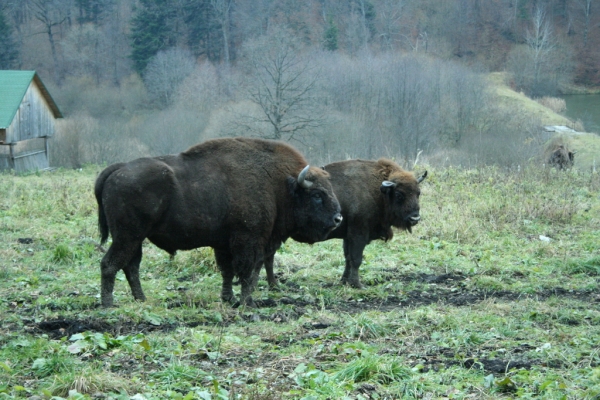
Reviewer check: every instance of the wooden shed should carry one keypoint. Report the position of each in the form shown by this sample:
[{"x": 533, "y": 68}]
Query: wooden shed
[{"x": 27, "y": 116}]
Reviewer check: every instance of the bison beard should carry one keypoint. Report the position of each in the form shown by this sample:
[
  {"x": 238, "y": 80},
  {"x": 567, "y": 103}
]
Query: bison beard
[
  {"x": 374, "y": 195},
  {"x": 242, "y": 197}
]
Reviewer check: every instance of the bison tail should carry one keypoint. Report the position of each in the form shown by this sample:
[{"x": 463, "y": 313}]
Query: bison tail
[{"x": 98, "y": 188}]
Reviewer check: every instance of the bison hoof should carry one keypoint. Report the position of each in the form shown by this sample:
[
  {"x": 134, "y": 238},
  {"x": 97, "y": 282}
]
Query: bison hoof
[
  {"x": 353, "y": 283},
  {"x": 106, "y": 304},
  {"x": 274, "y": 286},
  {"x": 249, "y": 303},
  {"x": 231, "y": 300}
]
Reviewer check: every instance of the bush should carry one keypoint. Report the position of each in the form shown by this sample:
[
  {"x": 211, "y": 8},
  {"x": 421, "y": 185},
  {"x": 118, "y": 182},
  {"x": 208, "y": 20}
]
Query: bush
[{"x": 556, "y": 104}]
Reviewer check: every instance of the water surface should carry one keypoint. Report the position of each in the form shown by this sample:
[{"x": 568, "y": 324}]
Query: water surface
[{"x": 584, "y": 107}]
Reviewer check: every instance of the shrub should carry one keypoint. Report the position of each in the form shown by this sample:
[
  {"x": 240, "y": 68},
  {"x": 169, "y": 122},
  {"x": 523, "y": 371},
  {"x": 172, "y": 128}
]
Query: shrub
[{"x": 556, "y": 104}]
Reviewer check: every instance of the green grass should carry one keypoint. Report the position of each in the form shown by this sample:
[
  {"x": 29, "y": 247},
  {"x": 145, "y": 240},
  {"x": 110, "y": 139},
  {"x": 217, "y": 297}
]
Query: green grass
[{"x": 472, "y": 305}]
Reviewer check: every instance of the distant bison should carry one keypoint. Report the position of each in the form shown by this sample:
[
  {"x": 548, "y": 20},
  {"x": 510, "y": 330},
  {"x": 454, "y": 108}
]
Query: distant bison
[
  {"x": 561, "y": 157},
  {"x": 374, "y": 195},
  {"x": 242, "y": 197}
]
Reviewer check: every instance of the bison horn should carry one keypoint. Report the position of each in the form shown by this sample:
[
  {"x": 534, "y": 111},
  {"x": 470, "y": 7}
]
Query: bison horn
[
  {"x": 422, "y": 177},
  {"x": 302, "y": 181},
  {"x": 388, "y": 184}
]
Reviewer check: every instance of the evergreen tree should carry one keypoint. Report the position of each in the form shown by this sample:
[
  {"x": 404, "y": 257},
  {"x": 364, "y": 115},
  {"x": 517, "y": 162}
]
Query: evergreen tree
[
  {"x": 330, "y": 37},
  {"x": 152, "y": 30},
  {"x": 9, "y": 53},
  {"x": 93, "y": 10},
  {"x": 205, "y": 37}
]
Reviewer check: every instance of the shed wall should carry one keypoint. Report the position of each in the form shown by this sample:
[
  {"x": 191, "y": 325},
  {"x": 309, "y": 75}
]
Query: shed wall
[
  {"x": 26, "y": 155},
  {"x": 34, "y": 118}
]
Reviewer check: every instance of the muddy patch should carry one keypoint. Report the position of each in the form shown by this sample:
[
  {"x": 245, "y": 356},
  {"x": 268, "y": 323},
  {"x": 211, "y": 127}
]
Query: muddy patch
[
  {"x": 59, "y": 328},
  {"x": 449, "y": 289}
]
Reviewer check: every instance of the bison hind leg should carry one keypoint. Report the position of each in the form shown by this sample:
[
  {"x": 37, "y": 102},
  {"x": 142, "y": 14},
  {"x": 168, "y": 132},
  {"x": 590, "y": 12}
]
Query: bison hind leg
[
  {"x": 132, "y": 273},
  {"x": 126, "y": 257}
]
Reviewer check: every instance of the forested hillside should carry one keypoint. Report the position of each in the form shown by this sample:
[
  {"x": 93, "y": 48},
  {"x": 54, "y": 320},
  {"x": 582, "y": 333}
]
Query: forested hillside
[{"x": 338, "y": 77}]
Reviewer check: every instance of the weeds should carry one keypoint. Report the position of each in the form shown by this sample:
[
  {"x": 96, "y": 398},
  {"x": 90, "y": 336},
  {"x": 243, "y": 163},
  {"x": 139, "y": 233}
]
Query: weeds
[{"x": 501, "y": 271}]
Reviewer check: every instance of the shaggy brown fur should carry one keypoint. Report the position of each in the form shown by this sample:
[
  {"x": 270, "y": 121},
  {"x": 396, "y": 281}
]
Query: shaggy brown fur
[
  {"x": 242, "y": 197},
  {"x": 374, "y": 195},
  {"x": 561, "y": 158}
]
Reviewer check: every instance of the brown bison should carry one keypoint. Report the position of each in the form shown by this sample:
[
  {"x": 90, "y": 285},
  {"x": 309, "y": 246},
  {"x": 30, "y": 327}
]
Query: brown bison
[
  {"x": 242, "y": 197},
  {"x": 561, "y": 158},
  {"x": 374, "y": 195}
]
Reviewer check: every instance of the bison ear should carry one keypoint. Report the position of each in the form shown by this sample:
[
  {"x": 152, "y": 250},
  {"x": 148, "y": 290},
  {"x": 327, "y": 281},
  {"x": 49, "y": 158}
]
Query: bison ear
[
  {"x": 387, "y": 187},
  {"x": 422, "y": 177}
]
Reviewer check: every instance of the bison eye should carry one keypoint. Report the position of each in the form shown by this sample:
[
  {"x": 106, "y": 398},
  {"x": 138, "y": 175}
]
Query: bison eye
[
  {"x": 317, "y": 197},
  {"x": 400, "y": 196}
]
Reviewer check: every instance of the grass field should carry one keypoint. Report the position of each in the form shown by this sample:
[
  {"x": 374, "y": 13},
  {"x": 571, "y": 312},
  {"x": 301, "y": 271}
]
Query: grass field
[{"x": 494, "y": 295}]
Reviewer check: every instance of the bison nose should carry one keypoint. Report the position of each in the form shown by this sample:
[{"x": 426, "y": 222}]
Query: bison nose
[
  {"x": 338, "y": 220},
  {"x": 414, "y": 219}
]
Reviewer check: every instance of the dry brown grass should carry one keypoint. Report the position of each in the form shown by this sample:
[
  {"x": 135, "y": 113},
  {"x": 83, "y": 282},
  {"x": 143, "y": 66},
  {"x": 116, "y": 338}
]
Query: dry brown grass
[{"x": 556, "y": 104}]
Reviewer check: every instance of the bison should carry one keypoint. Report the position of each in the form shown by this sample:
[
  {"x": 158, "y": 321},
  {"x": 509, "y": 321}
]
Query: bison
[
  {"x": 374, "y": 195},
  {"x": 242, "y": 197},
  {"x": 561, "y": 157}
]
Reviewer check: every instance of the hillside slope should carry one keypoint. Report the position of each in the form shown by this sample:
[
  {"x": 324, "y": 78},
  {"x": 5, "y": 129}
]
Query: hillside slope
[{"x": 585, "y": 144}]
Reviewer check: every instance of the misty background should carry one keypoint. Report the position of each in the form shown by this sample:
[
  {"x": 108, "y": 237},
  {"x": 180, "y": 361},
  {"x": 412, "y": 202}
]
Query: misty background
[{"x": 336, "y": 78}]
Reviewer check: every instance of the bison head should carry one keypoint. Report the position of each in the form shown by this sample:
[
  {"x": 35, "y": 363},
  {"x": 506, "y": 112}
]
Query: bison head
[
  {"x": 401, "y": 199},
  {"x": 316, "y": 210}
]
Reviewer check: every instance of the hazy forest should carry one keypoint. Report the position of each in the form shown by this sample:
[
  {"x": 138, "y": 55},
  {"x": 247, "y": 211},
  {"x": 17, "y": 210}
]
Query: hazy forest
[{"x": 337, "y": 78}]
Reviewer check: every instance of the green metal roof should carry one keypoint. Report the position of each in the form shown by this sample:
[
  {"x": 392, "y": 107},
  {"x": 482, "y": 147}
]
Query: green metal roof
[{"x": 13, "y": 85}]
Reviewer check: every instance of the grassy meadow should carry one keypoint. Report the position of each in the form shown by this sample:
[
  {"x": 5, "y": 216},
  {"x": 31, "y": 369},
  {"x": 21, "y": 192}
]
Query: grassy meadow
[{"x": 494, "y": 295}]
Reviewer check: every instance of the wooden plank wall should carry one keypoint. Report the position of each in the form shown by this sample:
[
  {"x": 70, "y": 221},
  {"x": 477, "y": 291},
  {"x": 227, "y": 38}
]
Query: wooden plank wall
[
  {"x": 26, "y": 155},
  {"x": 26, "y": 138},
  {"x": 34, "y": 119}
]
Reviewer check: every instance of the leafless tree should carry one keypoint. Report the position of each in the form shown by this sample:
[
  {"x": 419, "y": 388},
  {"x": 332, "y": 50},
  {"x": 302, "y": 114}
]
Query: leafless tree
[
  {"x": 85, "y": 51},
  {"x": 52, "y": 13},
  {"x": 540, "y": 42},
  {"x": 165, "y": 72},
  {"x": 389, "y": 18},
  {"x": 543, "y": 63},
  {"x": 586, "y": 8},
  {"x": 222, "y": 10},
  {"x": 283, "y": 84}
]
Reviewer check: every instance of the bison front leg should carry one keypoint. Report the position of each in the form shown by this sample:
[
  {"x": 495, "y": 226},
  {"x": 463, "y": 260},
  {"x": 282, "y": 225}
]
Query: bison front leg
[
  {"x": 248, "y": 281},
  {"x": 353, "y": 252},
  {"x": 269, "y": 260},
  {"x": 223, "y": 259}
]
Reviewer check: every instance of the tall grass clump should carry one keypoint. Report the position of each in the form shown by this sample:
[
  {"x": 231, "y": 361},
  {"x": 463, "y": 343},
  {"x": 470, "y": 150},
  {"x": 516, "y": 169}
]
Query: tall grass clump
[
  {"x": 556, "y": 104},
  {"x": 375, "y": 368}
]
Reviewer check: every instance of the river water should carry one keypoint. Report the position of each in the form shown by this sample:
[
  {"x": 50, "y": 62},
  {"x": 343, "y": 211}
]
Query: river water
[{"x": 584, "y": 107}]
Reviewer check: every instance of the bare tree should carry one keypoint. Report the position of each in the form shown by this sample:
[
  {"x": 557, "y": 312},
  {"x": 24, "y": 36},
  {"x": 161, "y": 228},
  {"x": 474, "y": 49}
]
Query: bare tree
[
  {"x": 222, "y": 9},
  {"x": 52, "y": 13},
  {"x": 283, "y": 85},
  {"x": 165, "y": 72},
  {"x": 85, "y": 51},
  {"x": 540, "y": 42},
  {"x": 586, "y": 8},
  {"x": 389, "y": 17},
  {"x": 543, "y": 63}
]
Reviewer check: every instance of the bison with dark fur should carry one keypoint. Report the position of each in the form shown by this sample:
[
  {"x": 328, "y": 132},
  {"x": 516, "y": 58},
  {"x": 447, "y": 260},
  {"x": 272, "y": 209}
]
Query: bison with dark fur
[
  {"x": 374, "y": 195},
  {"x": 242, "y": 197},
  {"x": 561, "y": 158}
]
